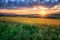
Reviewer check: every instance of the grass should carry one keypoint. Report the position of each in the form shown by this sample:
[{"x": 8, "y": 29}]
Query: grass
[{"x": 10, "y": 30}]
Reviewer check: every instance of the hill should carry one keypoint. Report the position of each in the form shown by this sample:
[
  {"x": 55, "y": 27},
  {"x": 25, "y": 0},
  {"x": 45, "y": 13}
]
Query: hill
[
  {"x": 54, "y": 15},
  {"x": 20, "y": 15}
]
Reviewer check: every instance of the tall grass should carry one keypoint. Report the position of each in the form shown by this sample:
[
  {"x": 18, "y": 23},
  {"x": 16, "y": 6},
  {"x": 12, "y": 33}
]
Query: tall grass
[{"x": 23, "y": 31}]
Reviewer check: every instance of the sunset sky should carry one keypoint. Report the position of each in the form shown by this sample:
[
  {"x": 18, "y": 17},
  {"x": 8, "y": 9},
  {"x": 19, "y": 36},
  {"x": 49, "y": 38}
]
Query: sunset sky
[{"x": 30, "y": 6}]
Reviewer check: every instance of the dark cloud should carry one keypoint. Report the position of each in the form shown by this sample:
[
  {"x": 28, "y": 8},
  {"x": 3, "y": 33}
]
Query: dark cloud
[
  {"x": 27, "y": 3},
  {"x": 50, "y": 3}
]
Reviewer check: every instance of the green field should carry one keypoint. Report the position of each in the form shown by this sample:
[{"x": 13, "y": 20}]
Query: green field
[{"x": 18, "y": 28}]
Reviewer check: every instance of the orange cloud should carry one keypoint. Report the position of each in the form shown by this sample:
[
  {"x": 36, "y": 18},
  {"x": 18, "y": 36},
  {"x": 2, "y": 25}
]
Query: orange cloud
[{"x": 33, "y": 10}]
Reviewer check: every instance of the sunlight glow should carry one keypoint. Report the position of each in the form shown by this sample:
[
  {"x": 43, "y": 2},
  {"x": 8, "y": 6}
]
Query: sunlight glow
[{"x": 43, "y": 13}]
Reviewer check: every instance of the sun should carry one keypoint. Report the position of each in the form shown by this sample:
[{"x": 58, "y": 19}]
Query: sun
[{"x": 42, "y": 13}]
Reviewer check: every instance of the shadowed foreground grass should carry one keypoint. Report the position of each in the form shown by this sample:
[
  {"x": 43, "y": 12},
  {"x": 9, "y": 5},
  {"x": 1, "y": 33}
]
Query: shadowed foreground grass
[{"x": 24, "y": 31}]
